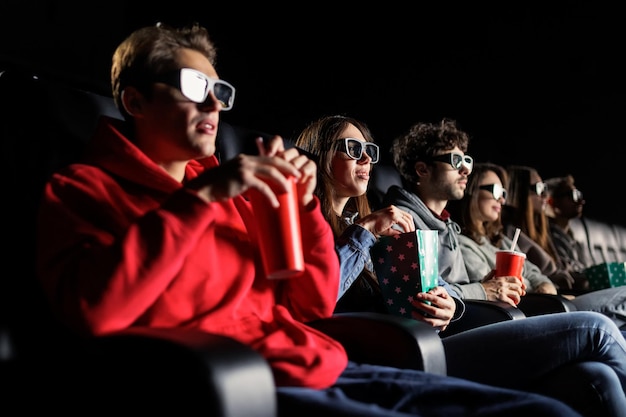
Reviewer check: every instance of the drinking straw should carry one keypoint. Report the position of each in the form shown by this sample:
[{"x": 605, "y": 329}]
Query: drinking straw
[{"x": 515, "y": 238}]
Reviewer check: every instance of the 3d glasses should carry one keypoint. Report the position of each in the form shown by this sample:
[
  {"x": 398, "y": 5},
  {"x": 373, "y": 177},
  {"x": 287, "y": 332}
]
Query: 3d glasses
[
  {"x": 354, "y": 148},
  {"x": 539, "y": 188},
  {"x": 575, "y": 194},
  {"x": 495, "y": 189},
  {"x": 196, "y": 86},
  {"x": 456, "y": 160}
]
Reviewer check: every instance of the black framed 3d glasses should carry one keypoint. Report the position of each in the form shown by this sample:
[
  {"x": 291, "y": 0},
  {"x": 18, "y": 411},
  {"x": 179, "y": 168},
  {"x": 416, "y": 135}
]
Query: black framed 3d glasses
[
  {"x": 456, "y": 160},
  {"x": 354, "y": 148},
  {"x": 496, "y": 190},
  {"x": 575, "y": 194},
  {"x": 196, "y": 86},
  {"x": 540, "y": 188}
]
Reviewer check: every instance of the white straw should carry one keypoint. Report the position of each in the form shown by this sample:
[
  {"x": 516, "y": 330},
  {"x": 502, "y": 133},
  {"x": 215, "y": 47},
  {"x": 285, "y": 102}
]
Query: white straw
[{"x": 515, "y": 239}]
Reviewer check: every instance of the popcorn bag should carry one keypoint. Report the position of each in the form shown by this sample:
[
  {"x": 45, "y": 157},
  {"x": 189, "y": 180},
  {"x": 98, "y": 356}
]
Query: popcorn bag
[
  {"x": 406, "y": 264},
  {"x": 606, "y": 275}
]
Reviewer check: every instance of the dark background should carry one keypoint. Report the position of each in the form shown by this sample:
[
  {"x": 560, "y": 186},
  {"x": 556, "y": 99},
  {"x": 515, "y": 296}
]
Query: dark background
[{"x": 538, "y": 85}]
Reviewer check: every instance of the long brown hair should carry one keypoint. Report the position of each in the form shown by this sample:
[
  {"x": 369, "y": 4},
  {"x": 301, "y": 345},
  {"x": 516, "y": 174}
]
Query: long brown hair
[
  {"x": 519, "y": 209},
  {"x": 466, "y": 211},
  {"x": 319, "y": 139}
]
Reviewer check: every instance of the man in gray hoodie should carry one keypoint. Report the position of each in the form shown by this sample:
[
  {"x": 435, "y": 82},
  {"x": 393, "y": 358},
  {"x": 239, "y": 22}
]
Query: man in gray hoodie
[{"x": 431, "y": 159}]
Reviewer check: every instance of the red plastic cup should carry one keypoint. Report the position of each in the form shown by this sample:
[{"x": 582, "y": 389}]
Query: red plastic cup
[
  {"x": 278, "y": 229},
  {"x": 510, "y": 263}
]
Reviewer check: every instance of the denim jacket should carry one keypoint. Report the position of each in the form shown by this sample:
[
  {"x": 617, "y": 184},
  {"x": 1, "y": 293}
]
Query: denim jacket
[{"x": 353, "y": 248}]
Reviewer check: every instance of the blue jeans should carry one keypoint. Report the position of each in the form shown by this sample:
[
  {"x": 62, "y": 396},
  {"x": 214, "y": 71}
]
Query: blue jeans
[
  {"x": 520, "y": 354},
  {"x": 493, "y": 371},
  {"x": 609, "y": 301},
  {"x": 378, "y": 391}
]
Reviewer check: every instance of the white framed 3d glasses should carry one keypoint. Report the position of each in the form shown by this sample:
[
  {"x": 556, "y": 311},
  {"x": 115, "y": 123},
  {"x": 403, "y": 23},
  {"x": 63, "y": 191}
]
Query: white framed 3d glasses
[
  {"x": 354, "y": 148},
  {"x": 196, "y": 86}
]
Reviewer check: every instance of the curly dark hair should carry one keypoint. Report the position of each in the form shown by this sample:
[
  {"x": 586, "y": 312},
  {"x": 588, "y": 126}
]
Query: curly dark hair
[{"x": 422, "y": 142}]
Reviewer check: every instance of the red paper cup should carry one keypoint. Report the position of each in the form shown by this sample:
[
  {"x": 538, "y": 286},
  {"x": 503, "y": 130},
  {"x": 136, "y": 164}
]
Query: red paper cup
[
  {"x": 509, "y": 263},
  {"x": 279, "y": 234}
]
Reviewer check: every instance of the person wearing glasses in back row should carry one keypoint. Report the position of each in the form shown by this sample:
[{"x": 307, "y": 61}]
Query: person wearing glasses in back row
[
  {"x": 431, "y": 159},
  {"x": 566, "y": 202},
  {"x": 525, "y": 209}
]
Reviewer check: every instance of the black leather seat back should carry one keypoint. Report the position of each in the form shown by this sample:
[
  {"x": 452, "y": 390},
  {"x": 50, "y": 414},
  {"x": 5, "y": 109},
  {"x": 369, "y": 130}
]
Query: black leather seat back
[
  {"x": 44, "y": 125},
  {"x": 383, "y": 177}
]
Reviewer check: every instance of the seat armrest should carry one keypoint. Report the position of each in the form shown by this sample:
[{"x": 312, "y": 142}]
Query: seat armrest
[
  {"x": 481, "y": 312},
  {"x": 183, "y": 368},
  {"x": 534, "y": 304},
  {"x": 388, "y": 340}
]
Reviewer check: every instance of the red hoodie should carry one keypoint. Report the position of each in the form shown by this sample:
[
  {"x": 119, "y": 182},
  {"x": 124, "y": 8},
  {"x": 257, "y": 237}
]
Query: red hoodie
[{"x": 122, "y": 244}]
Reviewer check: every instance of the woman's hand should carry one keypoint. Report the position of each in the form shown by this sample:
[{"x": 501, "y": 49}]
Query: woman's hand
[
  {"x": 440, "y": 311},
  {"x": 508, "y": 289},
  {"x": 381, "y": 222}
]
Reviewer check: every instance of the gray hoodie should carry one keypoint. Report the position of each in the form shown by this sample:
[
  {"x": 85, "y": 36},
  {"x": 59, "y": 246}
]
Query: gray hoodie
[{"x": 451, "y": 264}]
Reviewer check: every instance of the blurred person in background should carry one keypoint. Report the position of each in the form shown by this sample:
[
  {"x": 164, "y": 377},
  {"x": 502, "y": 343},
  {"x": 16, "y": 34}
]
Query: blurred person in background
[
  {"x": 478, "y": 215},
  {"x": 525, "y": 209},
  {"x": 565, "y": 202}
]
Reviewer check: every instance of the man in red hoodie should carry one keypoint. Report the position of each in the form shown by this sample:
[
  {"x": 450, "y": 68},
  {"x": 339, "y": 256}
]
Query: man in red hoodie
[{"x": 150, "y": 230}]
